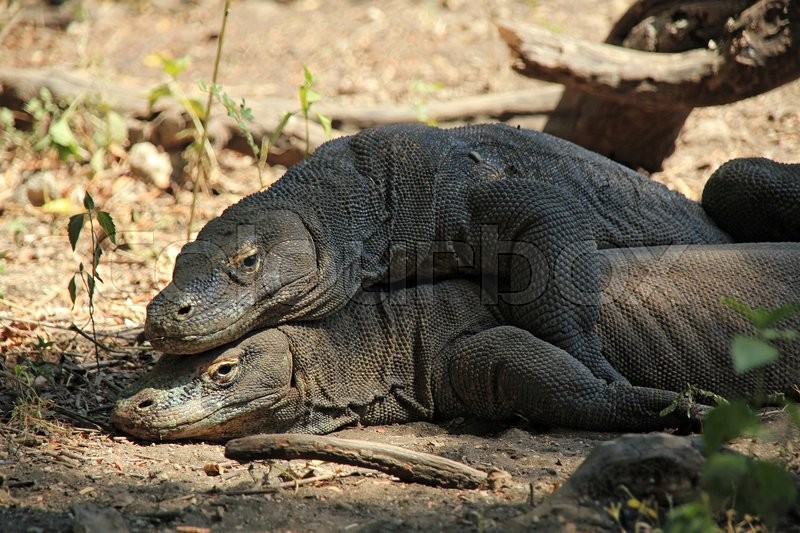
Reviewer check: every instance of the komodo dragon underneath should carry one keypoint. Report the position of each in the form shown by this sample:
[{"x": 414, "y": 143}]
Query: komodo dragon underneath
[
  {"x": 434, "y": 351},
  {"x": 411, "y": 201}
]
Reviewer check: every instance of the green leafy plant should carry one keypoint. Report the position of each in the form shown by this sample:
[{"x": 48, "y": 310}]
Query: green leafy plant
[
  {"x": 241, "y": 114},
  {"x": 754, "y": 351},
  {"x": 81, "y": 132},
  {"x": 308, "y": 97},
  {"x": 742, "y": 487},
  {"x": 198, "y": 114},
  {"x": 238, "y": 111},
  {"x": 52, "y": 127},
  {"x": 89, "y": 277},
  {"x": 171, "y": 88}
]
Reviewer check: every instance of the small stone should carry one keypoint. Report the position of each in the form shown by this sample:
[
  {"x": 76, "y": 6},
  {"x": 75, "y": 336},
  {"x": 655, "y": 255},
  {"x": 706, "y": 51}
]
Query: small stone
[
  {"x": 212, "y": 469},
  {"x": 40, "y": 188},
  {"x": 40, "y": 383},
  {"x": 149, "y": 163}
]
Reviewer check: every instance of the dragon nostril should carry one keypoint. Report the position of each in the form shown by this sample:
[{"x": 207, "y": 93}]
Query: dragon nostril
[
  {"x": 184, "y": 310},
  {"x": 145, "y": 404}
]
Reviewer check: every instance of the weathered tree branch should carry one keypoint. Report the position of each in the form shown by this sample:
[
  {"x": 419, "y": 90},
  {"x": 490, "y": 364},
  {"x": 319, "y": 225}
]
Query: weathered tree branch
[
  {"x": 607, "y": 71},
  {"x": 758, "y": 51},
  {"x": 631, "y": 105},
  {"x": 406, "y": 465}
]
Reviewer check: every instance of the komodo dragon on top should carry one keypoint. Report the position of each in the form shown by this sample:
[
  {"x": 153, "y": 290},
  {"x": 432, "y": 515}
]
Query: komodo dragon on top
[
  {"x": 412, "y": 201},
  {"x": 434, "y": 351}
]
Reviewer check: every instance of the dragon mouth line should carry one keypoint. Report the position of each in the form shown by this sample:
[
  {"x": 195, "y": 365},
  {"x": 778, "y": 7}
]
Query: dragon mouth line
[{"x": 171, "y": 427}]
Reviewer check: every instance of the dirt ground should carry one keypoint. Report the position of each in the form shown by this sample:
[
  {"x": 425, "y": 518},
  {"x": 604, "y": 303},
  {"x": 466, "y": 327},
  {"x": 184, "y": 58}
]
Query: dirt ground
[{"x": 62, "y": 468}]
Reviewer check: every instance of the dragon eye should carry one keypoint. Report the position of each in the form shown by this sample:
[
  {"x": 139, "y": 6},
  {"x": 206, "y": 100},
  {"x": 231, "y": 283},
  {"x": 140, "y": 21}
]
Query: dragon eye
[
  {"x": 223, "y": 372},
  {"x": 251, "y": 262}
]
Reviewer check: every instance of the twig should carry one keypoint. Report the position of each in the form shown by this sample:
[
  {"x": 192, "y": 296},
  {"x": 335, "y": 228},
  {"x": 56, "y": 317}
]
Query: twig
[
  {"x": 406, "y": 465},
  {"x": 89, "y": 367},
  {"x": 96, "y": 342},
  {"x": 201, "y": 170},
  {"x": 77, "y": 417}
]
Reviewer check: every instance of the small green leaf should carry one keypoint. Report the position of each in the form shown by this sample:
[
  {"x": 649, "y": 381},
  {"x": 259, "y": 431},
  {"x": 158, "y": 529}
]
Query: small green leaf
[
  {"x": 326, "y": 123},
  {"x": 722, "y": 473},
  {"x": 245, "y": 111},
  {"x": 74, "y": 228},
  {"x": 781, "y": 313},
  {"x": 61, "y": 135},
  {"x": 725, "y": 423},
  {"x": 195, "y": 106},
  {"x": 72, "y": 287},
  {"x": 173, "y": 67},
  {"x": 740, "y": 307},
  {"x": 161, "y": 91},
  {"x": 760, "y": 317},
  {"x": 751, "y": 352},
  {"x": 312, "y": 96},
  {"x": 769, "y": 493},
  {"x": 107, "y": 223},
  {"x": 90, "y": 285},
  {"x": 279, "y": 129},
  {"x": 88, "y": 201},
  {"x": 693, "y": 517},
  {"x": 307, "y": 95}
]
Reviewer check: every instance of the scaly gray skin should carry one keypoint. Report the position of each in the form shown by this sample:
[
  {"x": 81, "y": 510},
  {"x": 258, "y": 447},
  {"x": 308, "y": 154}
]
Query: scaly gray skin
[
  {"x": 418, "y": 202},
  {"x": 737, "y": 199},
  {"x": 436, "y": 351}
]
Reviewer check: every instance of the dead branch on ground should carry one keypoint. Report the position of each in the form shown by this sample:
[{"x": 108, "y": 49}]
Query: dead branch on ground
[{"x": 406, "y": 465}]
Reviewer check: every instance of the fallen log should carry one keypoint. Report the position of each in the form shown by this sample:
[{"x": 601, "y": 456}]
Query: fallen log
[
  {"x": 406, "y": 465},
  {"x": 163, "y": 124},
  {"x": 528, "y": 102}
]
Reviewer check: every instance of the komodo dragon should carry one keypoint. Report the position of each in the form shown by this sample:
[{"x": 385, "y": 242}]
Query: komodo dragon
[
  {"x": 412, "y": 201},
  {"x": 434, "y": 351}
]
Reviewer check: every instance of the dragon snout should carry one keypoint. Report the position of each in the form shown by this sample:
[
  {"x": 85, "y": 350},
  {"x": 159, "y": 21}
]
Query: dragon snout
[
  {"x": 171, "y": 305},
  {"x": 132, "y": 415},
  {"x": 167, "y": 312}
]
